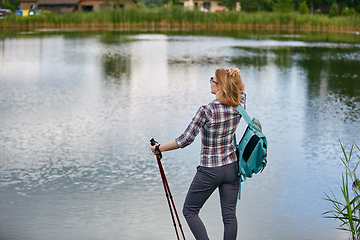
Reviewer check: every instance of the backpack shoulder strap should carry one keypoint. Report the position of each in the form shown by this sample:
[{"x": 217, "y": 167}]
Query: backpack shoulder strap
[{"x": 244, "y": 114}]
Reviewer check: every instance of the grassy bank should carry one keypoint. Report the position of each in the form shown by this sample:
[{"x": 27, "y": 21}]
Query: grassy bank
[{"x": 180, "y": 18}]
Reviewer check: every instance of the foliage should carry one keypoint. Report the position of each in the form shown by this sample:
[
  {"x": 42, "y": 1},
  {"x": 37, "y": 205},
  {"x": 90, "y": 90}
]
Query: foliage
[
  {"x": 348, "y": 12},
  {"x": 316, "y": 4},
  {"x": 153, "y": 5},
  {"x": 259, "y": 3},
  {"x": 256, "y": 5},
  {"x": 348, "y": 3},
  {"x": 334, "y": 11},
  {"x": 182, "y": 17},
  {"x": 248, "y": 6},
  {"x": 326, "y": 2},
  {"x": 229, "y": 4},
  {"x": 283, "y": 6},
  {"x": 140, "y": 5},
  {"x": 10, "y": 4},
  {"x": 348, "y": 210},
  {"x": 267, "y": 5},
  {"x": 303, "y": 9}
]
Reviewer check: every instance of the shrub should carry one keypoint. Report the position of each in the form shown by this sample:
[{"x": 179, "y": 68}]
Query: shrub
[
  {"x": 303, "y": 9},
  {"x": 283, "y": 6},
  {"x": 153, "y": 5},
  {"x": 334, "y": 11},
  {"x": 348, "y": 12},
  {"x": 140, "y": 5},
  {"x": 268, "y": 5}
]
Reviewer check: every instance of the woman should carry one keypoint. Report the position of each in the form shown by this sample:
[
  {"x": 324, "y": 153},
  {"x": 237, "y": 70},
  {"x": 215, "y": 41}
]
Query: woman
[{"x": 217, "y": 122}]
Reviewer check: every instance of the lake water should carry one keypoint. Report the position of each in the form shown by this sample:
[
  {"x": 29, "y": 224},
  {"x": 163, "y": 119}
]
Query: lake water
[{"x": 77, "y": 111}]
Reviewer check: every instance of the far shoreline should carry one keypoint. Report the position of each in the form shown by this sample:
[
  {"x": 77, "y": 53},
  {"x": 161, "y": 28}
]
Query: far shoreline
[
  {"x": 174, "y": 27},
  {"x": 173, "y": 19}
]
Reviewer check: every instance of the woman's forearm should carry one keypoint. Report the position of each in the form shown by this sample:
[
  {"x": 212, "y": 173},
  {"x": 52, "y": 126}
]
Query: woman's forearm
[
  {"x": 165, "y": 147},
  {"x": 169, "y": 146}
]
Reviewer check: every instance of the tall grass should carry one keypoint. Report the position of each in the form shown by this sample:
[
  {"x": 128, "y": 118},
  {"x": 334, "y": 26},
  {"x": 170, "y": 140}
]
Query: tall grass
[
  {"x": 347, "y": 210},
  {"x": 182, "y": 18}
]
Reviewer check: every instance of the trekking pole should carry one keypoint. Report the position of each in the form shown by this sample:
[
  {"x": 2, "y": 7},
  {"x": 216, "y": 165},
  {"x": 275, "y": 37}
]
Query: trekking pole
[
  {"x": 168, "y": 194},
  {"x": 171, "y": 198}
]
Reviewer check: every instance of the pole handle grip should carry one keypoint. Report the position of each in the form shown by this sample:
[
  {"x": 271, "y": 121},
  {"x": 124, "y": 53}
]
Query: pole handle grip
[{"x": 153, "y": 142}]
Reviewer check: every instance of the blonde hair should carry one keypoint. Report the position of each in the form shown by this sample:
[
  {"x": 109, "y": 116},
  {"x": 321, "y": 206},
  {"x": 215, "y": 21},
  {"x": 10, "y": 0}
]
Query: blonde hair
[{"x": 229, "y": 87}]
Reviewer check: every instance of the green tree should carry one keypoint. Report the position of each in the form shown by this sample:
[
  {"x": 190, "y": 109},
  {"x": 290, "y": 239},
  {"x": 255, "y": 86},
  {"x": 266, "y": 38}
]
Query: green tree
[
  {"x": 154, "y": 3},
  {"x": 314, "y": 4},
  {"x": 334, "y": 11},
  {"x": 10, "y": 4},
  {"x": 348, "y": 3},
  {"x": 283, "y": 6},
  {"x": 348, "y": 12},
  {"x": 297, "y": 4},
  {"x": 140, "y": 5},
  {"x": 267, "y": 5},
  {"x": 303, "y": 9},
  {"x": 256, "y": 5},
  {"x": 229, "y": 4},
  {"x": 248, "y": 6}
]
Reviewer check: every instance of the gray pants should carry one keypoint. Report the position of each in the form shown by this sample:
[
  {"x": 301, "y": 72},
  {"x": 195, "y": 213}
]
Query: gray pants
[{"x": 206, "y": 180}]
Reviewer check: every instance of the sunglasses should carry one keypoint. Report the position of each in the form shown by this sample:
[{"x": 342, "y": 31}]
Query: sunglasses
[{"x": 212, "y": 80}]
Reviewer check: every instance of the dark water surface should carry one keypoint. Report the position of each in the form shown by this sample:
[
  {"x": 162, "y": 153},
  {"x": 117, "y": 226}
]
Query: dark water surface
[{"x": 77, "y": 112}]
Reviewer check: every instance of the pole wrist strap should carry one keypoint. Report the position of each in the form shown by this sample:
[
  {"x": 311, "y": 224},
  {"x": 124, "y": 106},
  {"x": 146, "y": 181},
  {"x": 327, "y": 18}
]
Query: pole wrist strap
[{"x": 158, "y": 150}]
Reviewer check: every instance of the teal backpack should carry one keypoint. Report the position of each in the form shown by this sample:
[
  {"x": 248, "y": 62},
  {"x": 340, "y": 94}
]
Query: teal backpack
[{"x": 251, "y": 150}]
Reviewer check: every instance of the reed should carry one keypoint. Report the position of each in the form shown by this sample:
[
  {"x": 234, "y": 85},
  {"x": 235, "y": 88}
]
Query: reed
[
  {"x": 347, "y": 210},
  {"x": 185, "y": 19}
]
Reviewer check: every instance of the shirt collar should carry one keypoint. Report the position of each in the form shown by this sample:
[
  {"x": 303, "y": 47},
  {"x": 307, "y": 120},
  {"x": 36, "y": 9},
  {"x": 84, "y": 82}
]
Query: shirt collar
[{"x": 216, "y": 101}]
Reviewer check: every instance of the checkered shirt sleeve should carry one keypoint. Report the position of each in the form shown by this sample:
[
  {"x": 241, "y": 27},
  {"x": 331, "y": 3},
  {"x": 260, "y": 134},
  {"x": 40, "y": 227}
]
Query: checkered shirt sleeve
[{"x": 217, "y": 123}]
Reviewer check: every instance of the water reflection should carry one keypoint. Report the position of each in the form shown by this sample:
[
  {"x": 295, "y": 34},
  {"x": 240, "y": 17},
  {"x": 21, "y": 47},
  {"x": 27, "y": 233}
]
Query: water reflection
[
  {"x": 317, "y": 84},
  {"x": 116, "y": 67},
  {"x": 75, "y": 130},
  {"x": 337, "y": 66},
  {"x": 329, "y": 71}
]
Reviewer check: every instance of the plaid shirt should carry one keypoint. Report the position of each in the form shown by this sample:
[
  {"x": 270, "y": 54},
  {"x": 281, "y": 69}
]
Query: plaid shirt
[{"x": 217, "y": 123}]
